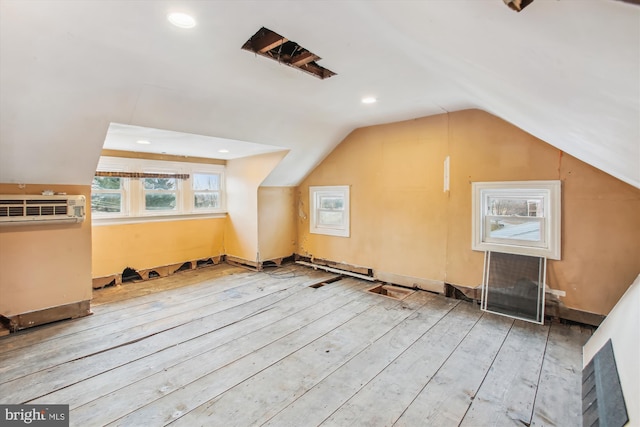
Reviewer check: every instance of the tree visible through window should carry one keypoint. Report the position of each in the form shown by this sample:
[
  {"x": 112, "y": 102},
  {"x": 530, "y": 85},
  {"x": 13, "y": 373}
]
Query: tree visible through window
[
  {"x": 145, "y": 188},
  {"x": 160, "y": 194},
  {"x": 106, "y": 194}
]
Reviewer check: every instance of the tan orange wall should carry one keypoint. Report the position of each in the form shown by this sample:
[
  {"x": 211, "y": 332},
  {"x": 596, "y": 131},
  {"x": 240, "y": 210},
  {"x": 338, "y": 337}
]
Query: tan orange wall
[
  {"x": 403, "y": 223},
  {"x": 153, "y": 244},
  {"x": 244, "y": 176},
  {"x": 276, "y": 222},
  {"x": 44, "y": 266},
  {"x": 395, "y": 174}
]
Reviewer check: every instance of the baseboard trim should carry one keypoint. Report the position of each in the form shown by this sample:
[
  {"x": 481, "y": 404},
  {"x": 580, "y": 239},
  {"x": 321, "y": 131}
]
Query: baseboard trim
[
  {"x": 410, "y": 281},
  {"x": 159, "y": 271},
  {"x": 553, "y": 307},
  {"x": 48, "y": 315}
]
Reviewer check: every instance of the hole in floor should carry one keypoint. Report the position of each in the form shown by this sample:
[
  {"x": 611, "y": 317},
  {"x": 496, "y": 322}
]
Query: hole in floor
[
  {"x": 326, "y": 282},
  {"x": 391, "y": 291}
]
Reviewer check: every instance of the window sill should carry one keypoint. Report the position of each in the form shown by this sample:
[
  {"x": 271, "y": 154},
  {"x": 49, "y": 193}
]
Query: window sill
[{"x": 101, "y": 221}]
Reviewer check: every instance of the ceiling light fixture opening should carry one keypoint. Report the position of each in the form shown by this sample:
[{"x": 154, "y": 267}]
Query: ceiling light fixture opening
[
  {"x": 369, "y": 100},
  {"x": 181, "y": 20}
]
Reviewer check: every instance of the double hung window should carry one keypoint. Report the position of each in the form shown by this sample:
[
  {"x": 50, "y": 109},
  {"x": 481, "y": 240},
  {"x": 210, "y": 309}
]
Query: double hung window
[
  {"x": 329, "y": 210},
  {"x": 520, "y": 217},
  {"x": 142, "y": 188}
]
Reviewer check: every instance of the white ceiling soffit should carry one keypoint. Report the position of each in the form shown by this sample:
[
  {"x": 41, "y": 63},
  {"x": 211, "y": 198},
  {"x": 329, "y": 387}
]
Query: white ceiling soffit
[
  {"x": 159, "y": 141},
  {"x": 564, "y": 71}
]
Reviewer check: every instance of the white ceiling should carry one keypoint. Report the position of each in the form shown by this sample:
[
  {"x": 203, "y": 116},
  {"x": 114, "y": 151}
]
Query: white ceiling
[
  {"x": 159, "y": 141},
  {"x": 565, "y": 71}
]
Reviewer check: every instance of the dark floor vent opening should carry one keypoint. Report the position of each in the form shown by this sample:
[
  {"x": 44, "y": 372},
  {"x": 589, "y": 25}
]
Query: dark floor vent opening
[
  {"x": 391, "y": 291},
  {"x": 183, "y": 267},
  {"x": 326, "y": 282},
  {"x": 129, "y": 275},
  {"x": 204, "y": 262},
  {"x": 451, "y": 291}
]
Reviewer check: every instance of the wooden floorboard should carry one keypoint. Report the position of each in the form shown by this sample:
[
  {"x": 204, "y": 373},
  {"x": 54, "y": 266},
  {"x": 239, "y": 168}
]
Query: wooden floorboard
[
  {"x": 121, "y": 308},
  {"x": 507, "y": 394},
  {"x": 383, "y": 400},
  {"x": 223, "y": 345},
  {"x": 446, "y": 398},
  {"x": 176, "y": 348},
  {"x": 47, "y": 354},
  {"x": 556, "y": 403},
  {"x": 255, "y": 400},
  {"x": 318, "y": 403}
]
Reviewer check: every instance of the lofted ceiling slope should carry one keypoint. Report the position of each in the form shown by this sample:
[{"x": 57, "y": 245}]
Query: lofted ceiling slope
[{"x": 565, "y": 71}]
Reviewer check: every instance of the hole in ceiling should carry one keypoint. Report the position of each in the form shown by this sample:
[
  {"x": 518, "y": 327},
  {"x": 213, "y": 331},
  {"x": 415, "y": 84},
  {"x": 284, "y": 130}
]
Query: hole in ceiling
[
  {"x": 274, "y": 46},
  {"x": 518, "y": 5}
]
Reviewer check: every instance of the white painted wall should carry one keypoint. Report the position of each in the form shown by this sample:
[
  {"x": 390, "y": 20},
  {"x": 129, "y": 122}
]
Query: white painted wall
[
  {"x": 622, "y": 326},
  {"x": 564, "y": 71}
]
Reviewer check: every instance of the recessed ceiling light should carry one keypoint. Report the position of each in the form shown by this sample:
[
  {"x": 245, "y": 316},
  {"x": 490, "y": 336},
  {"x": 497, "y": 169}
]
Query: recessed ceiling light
[
  {"x": 369, "y": 100},
  {"x": 224, "y": 150},
  {"x": 143, "y": 141},
  {"x": 181, "y": 20}
]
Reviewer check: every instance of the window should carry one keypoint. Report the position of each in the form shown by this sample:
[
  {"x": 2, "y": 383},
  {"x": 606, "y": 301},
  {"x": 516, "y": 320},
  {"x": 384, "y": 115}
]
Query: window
[
  {"x": 152, "y": 188},
  {"x": 329, "y": 210},
  {"x": 206, "y": 191},
  {"x": 160, "y": 194},
  {"x": 519, "y": 217},
  {"x": 107, "y": 195}
]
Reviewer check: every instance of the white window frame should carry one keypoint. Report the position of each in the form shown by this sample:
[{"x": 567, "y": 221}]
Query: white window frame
[
  {"x": 220, "y": 191},
  {"x": 178, "y": 194},
  {"x": 549, "y": 191},
  {"x": 315, "y": 195},
  {"x": 134, "y": 209},
  {"x": 124, "y": 205}
]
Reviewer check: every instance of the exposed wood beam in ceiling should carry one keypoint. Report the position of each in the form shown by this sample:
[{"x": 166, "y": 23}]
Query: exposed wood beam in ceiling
[
  {"x": 272, "y": 45},
  {"x": 517, "y": 5},
  {"x": 263, "y": 41},
  {"x": 303, "y": 58},
  {"x": 268, "y": 43}
]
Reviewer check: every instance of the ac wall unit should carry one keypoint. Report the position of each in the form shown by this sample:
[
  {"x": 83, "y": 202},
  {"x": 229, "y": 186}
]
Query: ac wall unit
[{"x": 28, "y": 209}]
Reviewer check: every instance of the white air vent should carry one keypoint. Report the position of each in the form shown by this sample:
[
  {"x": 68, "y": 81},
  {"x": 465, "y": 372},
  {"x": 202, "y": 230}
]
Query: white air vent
[{"x": 26, "y": 209}]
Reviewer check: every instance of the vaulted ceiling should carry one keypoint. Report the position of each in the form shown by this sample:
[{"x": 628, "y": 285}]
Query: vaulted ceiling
[{"x": 565, "y": 71}]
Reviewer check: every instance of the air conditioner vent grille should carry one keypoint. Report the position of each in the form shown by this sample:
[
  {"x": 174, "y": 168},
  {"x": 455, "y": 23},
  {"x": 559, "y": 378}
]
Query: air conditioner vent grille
[
  {"x": 20, "y": 209},
  {"x": 33, "y": 210},
  {"x": 46, "y": 202},
  {"x": 15, "y": 211}
]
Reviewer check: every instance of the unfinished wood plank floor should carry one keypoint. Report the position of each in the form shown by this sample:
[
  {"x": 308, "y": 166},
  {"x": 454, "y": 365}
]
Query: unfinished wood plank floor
[{"x": 228, "y": 346}]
